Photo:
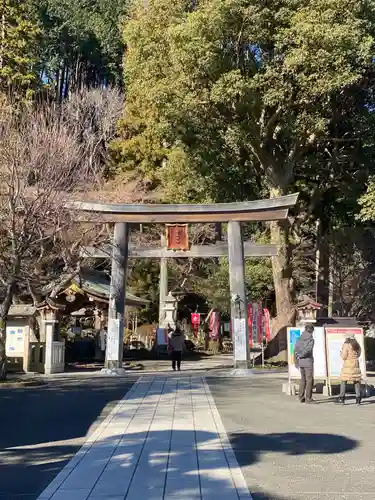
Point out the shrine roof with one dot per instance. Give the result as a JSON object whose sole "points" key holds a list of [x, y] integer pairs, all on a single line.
{"points": [[97, 283], [93, 283], [21, 310]]}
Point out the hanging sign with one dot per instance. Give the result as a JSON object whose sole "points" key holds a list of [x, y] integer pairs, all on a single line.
{"points": [[177, 237]]}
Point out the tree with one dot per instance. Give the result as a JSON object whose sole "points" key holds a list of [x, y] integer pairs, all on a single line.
{"points": [[244, 90], [19, 34], [81, 44], [48, 157]]}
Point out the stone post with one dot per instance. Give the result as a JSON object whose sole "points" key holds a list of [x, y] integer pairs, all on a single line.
{"points": [[50, 321]]}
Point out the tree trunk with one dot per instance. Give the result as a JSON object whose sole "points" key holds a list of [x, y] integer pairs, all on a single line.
{"points": [[4, 310], [2, 349], [323, 276], [282, 268]]}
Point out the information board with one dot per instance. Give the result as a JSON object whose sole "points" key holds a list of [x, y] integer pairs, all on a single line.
{"points": [[162, 336], [113, 339], [15, 342], [335, 340], [240, 339], [320, 364]]}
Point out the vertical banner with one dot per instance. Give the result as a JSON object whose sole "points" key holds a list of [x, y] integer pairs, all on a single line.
{"points": [[215, 325], [250, 322], [255, 323], [240, 341], [267, 324], [260, 323], [195, 322]]}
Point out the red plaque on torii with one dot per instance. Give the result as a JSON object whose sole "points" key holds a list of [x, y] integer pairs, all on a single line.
{"points": [[177, 237]]}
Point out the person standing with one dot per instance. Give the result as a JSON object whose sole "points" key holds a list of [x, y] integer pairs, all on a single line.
{"points": [[176, 344], [351, 370], [304, 361]]}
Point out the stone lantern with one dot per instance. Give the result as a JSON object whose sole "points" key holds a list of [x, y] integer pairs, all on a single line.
{"points": [[170, 310], [307, 310]]}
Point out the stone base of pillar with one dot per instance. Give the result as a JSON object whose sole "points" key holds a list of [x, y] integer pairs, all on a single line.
{"points": [[113, 372], [242, 365]]}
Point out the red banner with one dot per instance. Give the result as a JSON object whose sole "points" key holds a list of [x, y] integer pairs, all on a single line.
{"points": [[250, 322], [260, 324], [215, 325], [267, 324], [195, 322]]}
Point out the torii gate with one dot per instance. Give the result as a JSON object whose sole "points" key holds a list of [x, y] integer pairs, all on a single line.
{"points": [[232, 213]]}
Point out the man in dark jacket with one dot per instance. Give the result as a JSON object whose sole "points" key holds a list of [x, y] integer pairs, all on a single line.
{"points": [[304, 360]]}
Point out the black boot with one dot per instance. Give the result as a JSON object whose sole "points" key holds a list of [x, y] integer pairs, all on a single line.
{"points": [[358, 401], [340, 401]]}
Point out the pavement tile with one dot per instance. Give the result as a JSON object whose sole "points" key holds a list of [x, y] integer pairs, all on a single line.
{"points": [[165, 441]]}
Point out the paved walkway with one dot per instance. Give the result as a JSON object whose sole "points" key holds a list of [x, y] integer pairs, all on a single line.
{"points": [[164, 441]]}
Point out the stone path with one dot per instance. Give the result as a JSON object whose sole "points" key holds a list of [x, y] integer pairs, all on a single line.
{"points": [[164, 441]]}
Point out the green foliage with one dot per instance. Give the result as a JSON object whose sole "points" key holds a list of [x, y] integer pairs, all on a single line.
{"points": [[143, 281], [82, 44], [367, 202], [236, 89], [214, 282], [19, 35], [238, 99]]}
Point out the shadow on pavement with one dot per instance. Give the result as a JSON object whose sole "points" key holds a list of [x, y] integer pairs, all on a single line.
{"points": [[41, 428], [38, 423], [249, 447], [141, 461]]}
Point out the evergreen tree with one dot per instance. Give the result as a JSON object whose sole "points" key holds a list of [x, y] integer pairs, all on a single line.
{"points": [[19, 34]]}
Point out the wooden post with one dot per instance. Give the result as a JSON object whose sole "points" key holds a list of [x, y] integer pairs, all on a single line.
{"points": [[163, 282], [116, 309], [238, 295]]}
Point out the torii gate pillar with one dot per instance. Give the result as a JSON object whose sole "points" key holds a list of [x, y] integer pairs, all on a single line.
{"points": [[116, 308], [240, 333]]}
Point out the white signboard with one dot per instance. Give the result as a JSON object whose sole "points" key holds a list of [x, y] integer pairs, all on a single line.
{"points": [[240, 339], [319, 353], [15, 342], [113, 339], [320, 360], [335, 340]]}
